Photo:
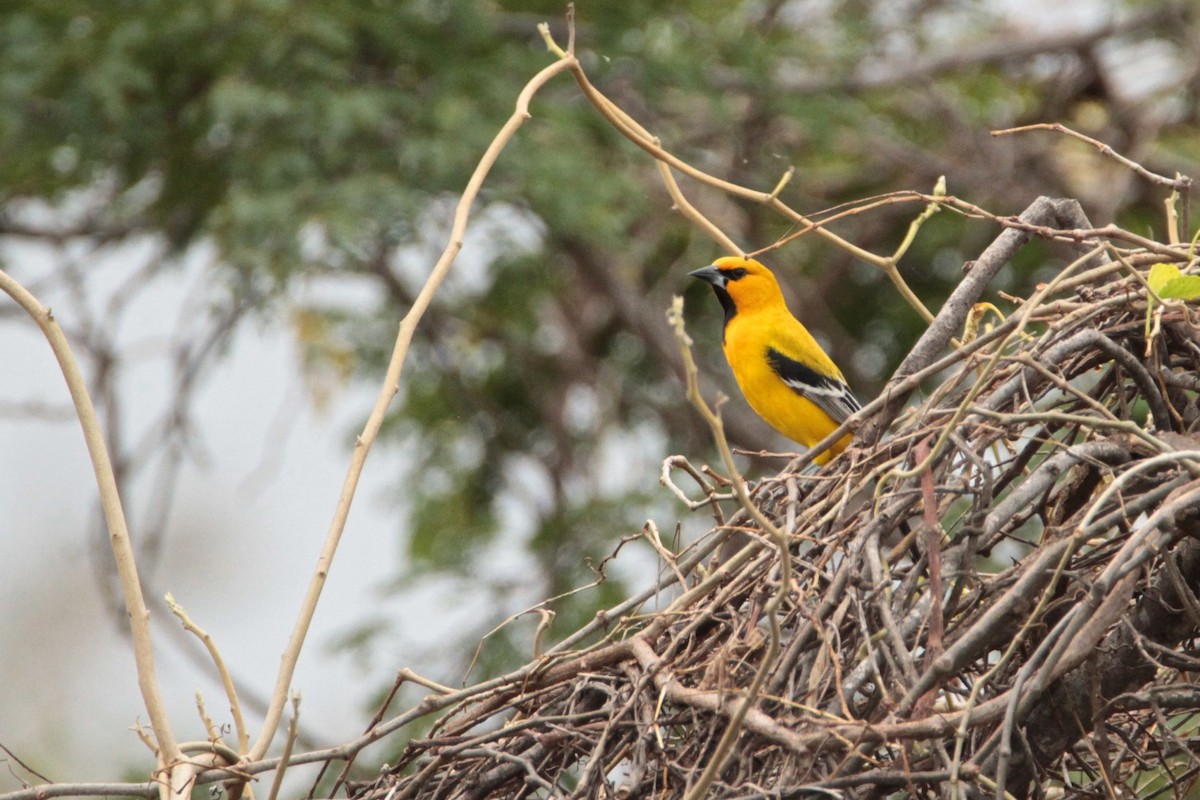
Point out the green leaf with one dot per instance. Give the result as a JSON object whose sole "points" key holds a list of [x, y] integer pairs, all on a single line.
{"points": [[1160, 275], [1184, 287]]}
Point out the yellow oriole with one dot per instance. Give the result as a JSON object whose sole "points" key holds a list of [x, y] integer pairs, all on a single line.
{"points": [[785, 375]]}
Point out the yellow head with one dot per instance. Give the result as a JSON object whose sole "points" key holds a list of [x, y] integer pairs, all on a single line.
{"points": [[741, 284]]}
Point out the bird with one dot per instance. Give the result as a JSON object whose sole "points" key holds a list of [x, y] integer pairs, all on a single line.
{"points": [[784, 374]]}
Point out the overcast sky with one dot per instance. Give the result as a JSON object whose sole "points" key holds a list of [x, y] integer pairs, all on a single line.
{"points": [[245, 533]]}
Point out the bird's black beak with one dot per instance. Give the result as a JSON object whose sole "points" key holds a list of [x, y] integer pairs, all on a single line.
{"points": [[719, 281], [710, 275]]}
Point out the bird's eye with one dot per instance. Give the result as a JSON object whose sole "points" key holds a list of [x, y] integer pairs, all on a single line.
{"points": [[734, 274]]}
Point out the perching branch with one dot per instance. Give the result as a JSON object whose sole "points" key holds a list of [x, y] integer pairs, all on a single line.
{"points": [[979, 274]]}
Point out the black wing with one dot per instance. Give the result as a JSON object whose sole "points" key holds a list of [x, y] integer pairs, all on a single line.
{"points": [[831, 395]]}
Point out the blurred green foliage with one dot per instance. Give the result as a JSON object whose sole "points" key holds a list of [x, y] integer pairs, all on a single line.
{"points": [[318, 143]]}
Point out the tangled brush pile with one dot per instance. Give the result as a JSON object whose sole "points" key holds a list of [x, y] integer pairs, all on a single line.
{"points": [[998, 597]]}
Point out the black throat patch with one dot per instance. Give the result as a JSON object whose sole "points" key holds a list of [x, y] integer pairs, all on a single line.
{"points": [[727, 304]]}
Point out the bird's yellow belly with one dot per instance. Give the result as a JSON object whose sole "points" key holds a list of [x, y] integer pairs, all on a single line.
{"points": [[786, 410], [793, 415]]}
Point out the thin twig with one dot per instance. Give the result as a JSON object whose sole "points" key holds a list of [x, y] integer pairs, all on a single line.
{"points": [[235, 707], [114, 516], [391, 385], [1179, 183]]}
